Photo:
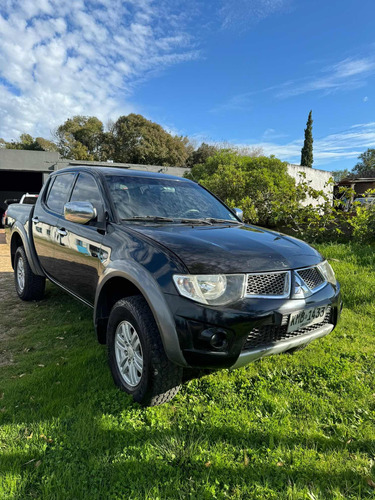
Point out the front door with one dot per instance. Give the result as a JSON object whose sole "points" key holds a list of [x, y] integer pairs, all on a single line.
{"points": [[78, 246]]}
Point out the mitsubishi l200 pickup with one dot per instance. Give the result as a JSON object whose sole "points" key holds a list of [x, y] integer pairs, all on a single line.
{"points": [[177, 281]]}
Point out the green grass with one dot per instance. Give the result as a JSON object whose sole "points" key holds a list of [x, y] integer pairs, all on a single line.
{"points": [[293, 427]]}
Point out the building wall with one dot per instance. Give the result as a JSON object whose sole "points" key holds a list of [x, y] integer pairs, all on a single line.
{"points": [[318, 180], [19, 159]]}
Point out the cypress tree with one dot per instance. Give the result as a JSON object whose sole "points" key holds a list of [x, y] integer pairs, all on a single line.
{"points": [[307, 150]]}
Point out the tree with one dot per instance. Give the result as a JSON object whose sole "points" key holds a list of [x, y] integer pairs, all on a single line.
{"points": [[80, 138], [26, 141], [138, 140], [366, 167], [255, 184], [307, 150], [201, 154], [339, 175]]}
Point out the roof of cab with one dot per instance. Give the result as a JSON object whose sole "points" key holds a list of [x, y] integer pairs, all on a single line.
{"points": [[120, 171]]}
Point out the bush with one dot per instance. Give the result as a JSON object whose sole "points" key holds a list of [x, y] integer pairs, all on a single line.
{"points": [[363, 223], [255, 184], [269, 197]]}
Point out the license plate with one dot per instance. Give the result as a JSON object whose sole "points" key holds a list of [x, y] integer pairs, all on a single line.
{"points": [[306, 317]]}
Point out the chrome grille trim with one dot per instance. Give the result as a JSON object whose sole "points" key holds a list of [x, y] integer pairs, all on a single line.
{"points": [[312, 277], [270, 285]]}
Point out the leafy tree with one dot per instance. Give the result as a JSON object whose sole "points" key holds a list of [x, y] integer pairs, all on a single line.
{"points": [[201, 154], [366, 167], [339, 175], [80, 138], [28, 142], [307, 150], [138, 140], [254, 184]]}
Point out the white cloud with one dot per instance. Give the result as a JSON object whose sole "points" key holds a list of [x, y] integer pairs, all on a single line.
{"points": [[242, 13], [347, 74], [58, 58], [332, 148], [365, 99]]}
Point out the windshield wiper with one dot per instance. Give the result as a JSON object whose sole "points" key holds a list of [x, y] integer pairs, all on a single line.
{"points": [[195, 221], [151, 218], [222, 221]]}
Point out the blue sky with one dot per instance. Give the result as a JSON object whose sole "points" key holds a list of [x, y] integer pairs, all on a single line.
{"points": [[245, 72]]}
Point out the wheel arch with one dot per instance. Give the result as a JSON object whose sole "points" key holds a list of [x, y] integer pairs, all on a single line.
{"points": [[15, 242], [128, 279], [19, 237]]}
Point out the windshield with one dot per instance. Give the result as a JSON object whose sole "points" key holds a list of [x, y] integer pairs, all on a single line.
{"points": [[174, 199]]}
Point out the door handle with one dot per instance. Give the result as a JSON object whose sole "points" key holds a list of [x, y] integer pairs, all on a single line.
{"points": [[62, 232], [35, 220]]}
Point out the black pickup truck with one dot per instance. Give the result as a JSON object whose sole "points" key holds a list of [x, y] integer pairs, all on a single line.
{"points": [[176, 280]]}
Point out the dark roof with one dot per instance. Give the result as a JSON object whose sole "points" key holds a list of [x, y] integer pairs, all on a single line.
{"points": [[358, 180], [120, 171]]}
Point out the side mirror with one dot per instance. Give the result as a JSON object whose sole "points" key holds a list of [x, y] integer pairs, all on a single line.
{"points": [[239, 213], [80, 212]]}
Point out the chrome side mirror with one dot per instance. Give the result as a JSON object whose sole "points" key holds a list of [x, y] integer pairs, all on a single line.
{"points": [[239, 213], [80, 212]]}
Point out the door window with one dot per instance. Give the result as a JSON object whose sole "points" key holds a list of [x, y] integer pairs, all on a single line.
{"points": [[59, 192], [86, 189]]}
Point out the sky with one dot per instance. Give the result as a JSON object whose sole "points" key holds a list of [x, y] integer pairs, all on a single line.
{"points": [[244, 72]]}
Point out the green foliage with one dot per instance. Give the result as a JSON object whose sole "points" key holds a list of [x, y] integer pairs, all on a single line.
{"points": [[283, 428], [366, 167], [317, 218], [339, 175], [201, 154], [137, 140], [363, 222], [307, 150], [28, 142], [80, 138], [255, 184]]}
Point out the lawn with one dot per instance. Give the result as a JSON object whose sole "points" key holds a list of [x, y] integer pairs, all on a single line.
{"points": [[296, 426]]}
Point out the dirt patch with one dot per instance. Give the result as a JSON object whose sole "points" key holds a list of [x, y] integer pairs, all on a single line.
{"points": [[5, 264], [11, 307]]}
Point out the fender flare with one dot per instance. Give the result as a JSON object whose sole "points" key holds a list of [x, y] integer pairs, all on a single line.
{"points": [[144, 281], [32, 258]]}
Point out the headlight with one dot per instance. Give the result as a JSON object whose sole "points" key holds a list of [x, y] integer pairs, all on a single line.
{"points": [[328, 273], [213, 289]]}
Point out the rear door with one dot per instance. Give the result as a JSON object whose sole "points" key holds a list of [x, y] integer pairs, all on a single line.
{"points": [[48, 207], [78, 245]]}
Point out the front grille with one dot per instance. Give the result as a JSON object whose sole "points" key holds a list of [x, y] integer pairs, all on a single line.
{"points": [[268, 335], [312, 277], [268, 284]]}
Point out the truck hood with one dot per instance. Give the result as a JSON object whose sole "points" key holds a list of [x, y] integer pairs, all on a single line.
{"points": [[234, 249]]}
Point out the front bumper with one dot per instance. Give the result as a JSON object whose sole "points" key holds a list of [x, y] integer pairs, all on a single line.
{"points": [[238, 320]]}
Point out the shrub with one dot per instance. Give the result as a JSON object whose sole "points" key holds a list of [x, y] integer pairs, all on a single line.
{"points": [[268, 196], [255, 184]]}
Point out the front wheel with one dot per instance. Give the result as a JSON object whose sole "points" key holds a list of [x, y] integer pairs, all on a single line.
{"points": [[136, 354], [29, 286]]}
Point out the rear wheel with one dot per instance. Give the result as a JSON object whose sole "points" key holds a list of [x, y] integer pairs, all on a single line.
{"points": [[29, 286], [136, 354]]}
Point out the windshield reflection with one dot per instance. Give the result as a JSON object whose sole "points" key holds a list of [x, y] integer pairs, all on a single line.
{"points": [[137, 197]]}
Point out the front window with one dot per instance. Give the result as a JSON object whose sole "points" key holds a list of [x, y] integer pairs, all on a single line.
{"points": [[176, 199]]}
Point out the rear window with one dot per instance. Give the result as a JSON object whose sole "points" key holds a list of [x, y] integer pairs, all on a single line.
{"points": [[59, 192]]}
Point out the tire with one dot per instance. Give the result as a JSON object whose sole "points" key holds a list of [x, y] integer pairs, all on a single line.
{"points": [[29, 286], [136, 354]]}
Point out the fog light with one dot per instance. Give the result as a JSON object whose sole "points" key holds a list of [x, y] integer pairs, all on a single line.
{"points": [[219, 340]]}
